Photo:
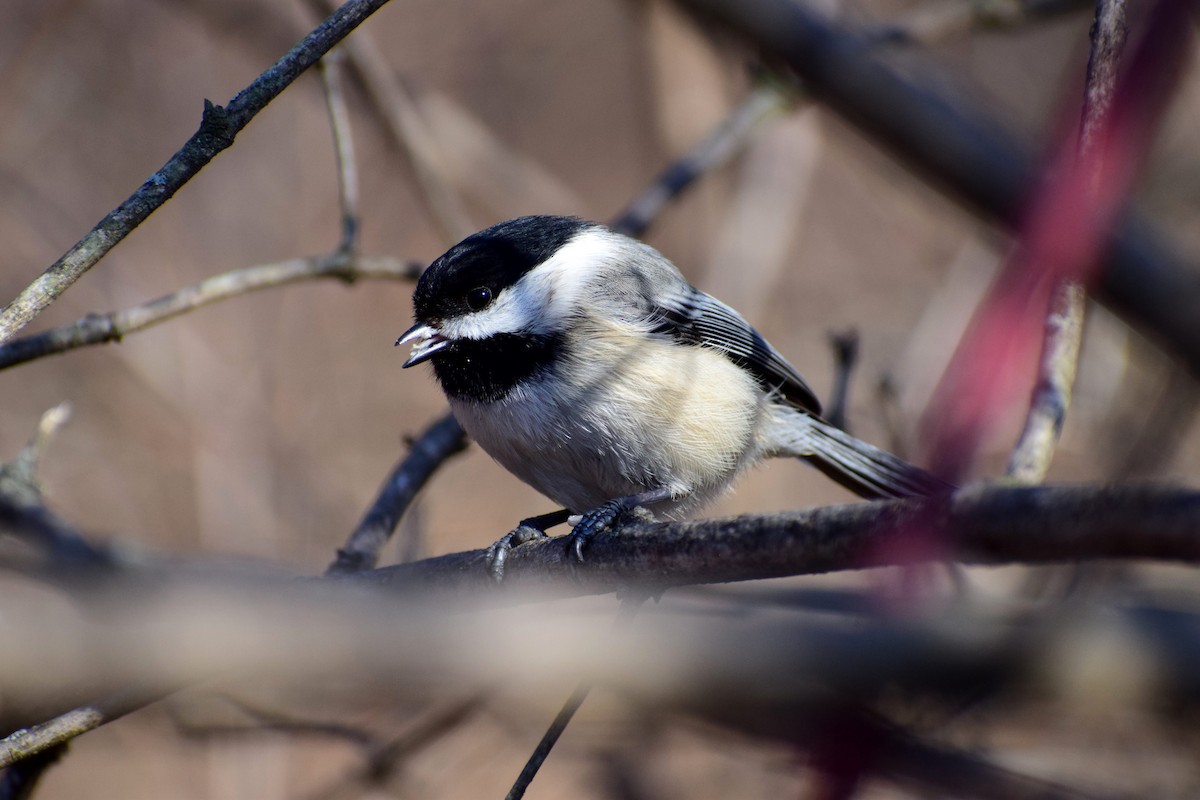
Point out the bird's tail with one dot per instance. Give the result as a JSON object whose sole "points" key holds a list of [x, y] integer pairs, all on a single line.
{"points": [[865, 469]]}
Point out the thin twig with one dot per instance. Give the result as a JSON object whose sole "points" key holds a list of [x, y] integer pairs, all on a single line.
{"points": [[627, 611], [218, 128], [29, 742], [409, 130], [22, 514], [845, 356], [111, 327], [1030, 460], [942, 19], [440, 440], [712, 152], [385, 758], [343, 147]]}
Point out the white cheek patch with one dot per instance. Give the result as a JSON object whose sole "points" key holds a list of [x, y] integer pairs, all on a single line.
{"points": [[546, 294], [507, 314]]}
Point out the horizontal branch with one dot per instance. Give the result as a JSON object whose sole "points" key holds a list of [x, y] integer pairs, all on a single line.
{"points": [[111, 327], [987, 525]]}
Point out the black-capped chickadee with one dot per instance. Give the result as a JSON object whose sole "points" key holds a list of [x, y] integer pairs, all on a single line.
{"points": [[585, 363]]}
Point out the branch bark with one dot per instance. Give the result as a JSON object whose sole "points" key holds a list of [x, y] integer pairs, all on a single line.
{"points": [[982, 524], [113, 326]]}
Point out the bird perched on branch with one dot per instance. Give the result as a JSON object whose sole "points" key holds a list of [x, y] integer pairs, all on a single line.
{"points": [[584, 362]]}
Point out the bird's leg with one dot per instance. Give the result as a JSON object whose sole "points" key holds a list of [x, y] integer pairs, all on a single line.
{"points": [[602, 518], [526, 531]]}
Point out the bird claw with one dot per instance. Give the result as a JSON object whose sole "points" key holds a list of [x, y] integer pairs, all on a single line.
{"points": [[497, 554], [591, 523]]}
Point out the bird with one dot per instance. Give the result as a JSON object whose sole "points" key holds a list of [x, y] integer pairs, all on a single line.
{"points": [[584, 363]]}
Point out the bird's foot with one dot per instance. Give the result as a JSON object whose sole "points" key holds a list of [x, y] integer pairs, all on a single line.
{"points": [[593, 522], [527, 530], [601, 519]]}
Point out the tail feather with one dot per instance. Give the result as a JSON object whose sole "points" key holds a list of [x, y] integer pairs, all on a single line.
{"points": [[865, 469]]}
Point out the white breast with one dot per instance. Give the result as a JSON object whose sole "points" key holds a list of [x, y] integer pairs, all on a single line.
{"points": [[660, 415]]}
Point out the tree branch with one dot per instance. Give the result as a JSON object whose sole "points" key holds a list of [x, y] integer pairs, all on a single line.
{"points": [[980, 524], [1030, 459], [440, 440], [218, 127], [113, 326], [343, 147], [963, 148]]}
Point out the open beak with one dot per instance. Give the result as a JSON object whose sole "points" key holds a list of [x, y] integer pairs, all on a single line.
{"points": [[427, 342]]}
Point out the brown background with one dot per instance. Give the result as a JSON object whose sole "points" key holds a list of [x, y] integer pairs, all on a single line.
{"points": [[261, 427]]}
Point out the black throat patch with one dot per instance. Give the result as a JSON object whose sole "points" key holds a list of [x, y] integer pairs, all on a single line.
{"points": [[486, 370]]}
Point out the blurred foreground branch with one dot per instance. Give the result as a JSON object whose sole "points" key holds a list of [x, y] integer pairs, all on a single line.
{"points": [[967, 150], [786, 673]]}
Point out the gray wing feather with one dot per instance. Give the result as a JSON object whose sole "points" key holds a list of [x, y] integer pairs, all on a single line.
{"points": [[693, 317]]}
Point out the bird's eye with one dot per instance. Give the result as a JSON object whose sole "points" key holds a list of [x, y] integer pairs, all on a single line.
{"points": [[479, 298]]}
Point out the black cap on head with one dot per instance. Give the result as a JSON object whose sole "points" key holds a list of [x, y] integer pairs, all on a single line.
{"points": [[495, 258]]}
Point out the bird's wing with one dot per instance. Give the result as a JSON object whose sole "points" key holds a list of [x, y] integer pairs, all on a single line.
{"points": [[693, 317]]}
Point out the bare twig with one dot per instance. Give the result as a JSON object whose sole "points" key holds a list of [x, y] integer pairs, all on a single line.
{"points": [[548, 740], [218, 128], [1030, 460], [625, 614], [18, 479], [343, 146], [440, 440], [845, 355], [29, 742], [22, 514], [265, 721], [111, 327], [709, 154], [385, 758], [940, 20], [409, 130]]}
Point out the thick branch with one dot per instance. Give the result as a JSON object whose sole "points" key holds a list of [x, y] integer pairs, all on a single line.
{"points": [[979, 525], [218, 128]]}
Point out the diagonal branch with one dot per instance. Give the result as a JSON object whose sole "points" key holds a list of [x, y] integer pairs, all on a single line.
{"points": [[440, 440], [218, 127], [963, 148]]}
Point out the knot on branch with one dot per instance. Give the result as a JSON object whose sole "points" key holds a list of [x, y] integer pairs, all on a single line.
{"points": [[217, 129]]}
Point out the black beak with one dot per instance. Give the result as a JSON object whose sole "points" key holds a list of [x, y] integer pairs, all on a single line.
{"points": [[427, 342]]}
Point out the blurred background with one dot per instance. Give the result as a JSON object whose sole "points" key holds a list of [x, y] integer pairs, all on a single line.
{"points": [[261, 427]]}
